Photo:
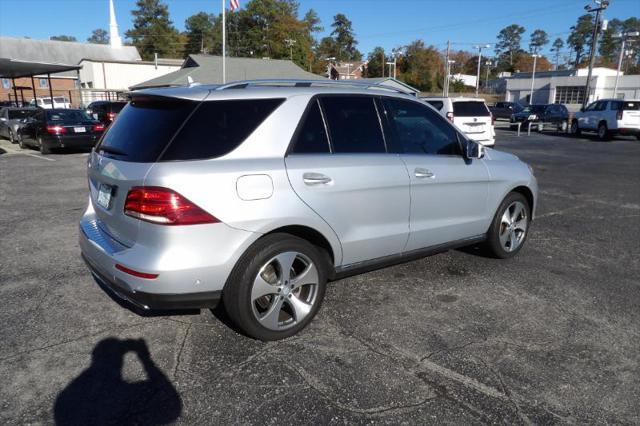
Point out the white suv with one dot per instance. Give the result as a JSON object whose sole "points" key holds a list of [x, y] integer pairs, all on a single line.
{"points": [[260, 195], [609, 117], [471, 115], [45, 103]]}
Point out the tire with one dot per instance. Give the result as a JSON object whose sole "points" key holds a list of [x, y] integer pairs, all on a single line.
{"points": [[510, 227], [638, 137], [575, 128], [44, 150], [12, 139], [21, 143], [257, 289], [564, 126], [603, 132]]}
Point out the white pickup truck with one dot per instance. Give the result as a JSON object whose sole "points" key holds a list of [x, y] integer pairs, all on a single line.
{"points": [[609, 117]]}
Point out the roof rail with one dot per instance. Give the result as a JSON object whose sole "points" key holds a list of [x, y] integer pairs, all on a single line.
{"points": [[307, 83]]}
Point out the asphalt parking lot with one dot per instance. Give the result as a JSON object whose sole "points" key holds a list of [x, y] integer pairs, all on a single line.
{"points": [[551, 336]]}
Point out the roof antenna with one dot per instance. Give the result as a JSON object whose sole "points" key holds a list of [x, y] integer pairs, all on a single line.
{"points": [[190, 82]]}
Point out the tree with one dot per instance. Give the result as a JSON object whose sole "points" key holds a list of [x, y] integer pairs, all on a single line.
{"points": [[312, 22], [524, 63], [610, 45], [99, 36], [419, 66], [509, 39], [200, 33], [344, 38], [377, 60], [539, 38], [580, 36], [556, 47], [153, 31], [63, 38]]}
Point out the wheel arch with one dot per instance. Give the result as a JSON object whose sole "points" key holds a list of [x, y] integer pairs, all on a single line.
{"points": [[309, 234], [527, 193]]}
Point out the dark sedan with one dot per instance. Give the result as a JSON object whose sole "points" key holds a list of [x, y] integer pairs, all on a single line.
{"points": [[105, 111], [48, 129], [552, 114], [504, 109]]}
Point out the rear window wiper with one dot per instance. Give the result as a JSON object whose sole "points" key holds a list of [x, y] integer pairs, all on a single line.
{"points": [[111, 150]]}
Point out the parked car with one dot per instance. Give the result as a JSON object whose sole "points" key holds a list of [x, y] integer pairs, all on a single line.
{"points": [[609, 117], [45, 103], [552, 114], [505, 109], [11, 119], [471, 115], [260, 195], [60, 128], [105, 111]]}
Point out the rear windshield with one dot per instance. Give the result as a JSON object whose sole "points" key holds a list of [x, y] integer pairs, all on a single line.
{"points": [[146, 127], [470, 109], [117, 107], [630, 106], [20, 113], [67, 116]]}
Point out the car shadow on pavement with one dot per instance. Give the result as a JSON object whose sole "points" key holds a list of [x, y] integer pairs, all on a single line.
{"points": [[99, 395]]}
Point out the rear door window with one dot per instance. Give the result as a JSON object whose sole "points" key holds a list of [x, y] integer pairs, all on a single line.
{"points": [[311, 137], [419, 130], [218, 127], [470, 109], [353, 124], [436, 104]]}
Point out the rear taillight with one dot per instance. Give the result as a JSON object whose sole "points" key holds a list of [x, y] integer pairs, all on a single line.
{"points": [[493, 120], [98, 127], [450, 116], [619, 114], [111, 115], [164, 206], [56, 129]]}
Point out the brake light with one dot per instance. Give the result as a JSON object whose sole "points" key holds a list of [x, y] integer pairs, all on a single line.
{"points": [[450, 116], [619, 114], [164, 206], [56, 129], [98, 127], [493, 120], [136, 273], [111, 115]]}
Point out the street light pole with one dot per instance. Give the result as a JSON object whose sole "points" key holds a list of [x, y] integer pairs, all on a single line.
{"points": [[602, 5], [479, 47], [624, 41], [486, 78], [535, 56]]}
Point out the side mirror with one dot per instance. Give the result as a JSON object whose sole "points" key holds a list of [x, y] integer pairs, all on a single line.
{"points": [[474, 150]]}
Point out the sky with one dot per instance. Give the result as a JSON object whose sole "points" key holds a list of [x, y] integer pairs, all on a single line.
{"points": [[389, 23]]}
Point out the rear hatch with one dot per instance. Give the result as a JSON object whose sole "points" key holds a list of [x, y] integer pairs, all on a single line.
{"points": [[126, 153], [474, 119], [631, 114]]}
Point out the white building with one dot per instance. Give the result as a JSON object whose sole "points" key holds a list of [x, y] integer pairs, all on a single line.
{"points": [[568, 87], [467, 79]]}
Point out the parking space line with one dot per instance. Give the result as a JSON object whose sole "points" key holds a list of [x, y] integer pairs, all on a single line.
{"points": [[16, 152]]}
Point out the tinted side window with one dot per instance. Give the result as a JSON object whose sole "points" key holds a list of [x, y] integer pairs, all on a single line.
{"points": [[311, 136], [436, 104], [420, 130], [600, 106], [353, 124], [218, 127]]}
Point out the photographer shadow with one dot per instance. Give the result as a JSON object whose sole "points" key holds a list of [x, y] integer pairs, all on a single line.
{"points": [[99, 395]]}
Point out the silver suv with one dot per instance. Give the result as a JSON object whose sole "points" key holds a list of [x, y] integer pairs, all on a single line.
{"points": [[258, 193]]}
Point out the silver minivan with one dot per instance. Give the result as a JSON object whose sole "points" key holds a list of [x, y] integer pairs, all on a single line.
{"points": [[258, 193]]}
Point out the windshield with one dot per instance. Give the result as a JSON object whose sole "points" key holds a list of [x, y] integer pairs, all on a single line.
{"points": [[67, 116], [20, 113]]}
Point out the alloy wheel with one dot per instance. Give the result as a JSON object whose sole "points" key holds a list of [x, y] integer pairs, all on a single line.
{"points": [[513, 226], [11, 138], [284, 290]]}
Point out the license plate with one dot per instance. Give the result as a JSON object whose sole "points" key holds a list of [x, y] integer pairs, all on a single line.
{"points": [[79, 129], [104, 195]]}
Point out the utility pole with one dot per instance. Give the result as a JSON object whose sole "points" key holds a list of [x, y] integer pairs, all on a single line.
{"points": [[535, 56], [445, 86], [602, 5], [394, 63], [383, 61], [486, 78], [624, 42], [290, 42], [479, 47]]}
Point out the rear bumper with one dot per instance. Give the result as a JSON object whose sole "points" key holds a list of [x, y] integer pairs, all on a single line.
{"points": [[151, 301], [627, 131], [72, 141]]}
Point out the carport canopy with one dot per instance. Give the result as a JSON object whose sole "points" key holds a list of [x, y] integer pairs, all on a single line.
{"points": [[11, 68]]}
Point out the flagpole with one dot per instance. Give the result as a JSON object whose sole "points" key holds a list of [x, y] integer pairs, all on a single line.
{"points": [[224, 44]]}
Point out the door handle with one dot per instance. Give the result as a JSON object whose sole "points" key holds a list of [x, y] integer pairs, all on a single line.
{"points": [[316, 179], [423, 173]]}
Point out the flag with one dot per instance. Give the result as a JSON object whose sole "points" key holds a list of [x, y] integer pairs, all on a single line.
{"points": [[234, 4]]}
